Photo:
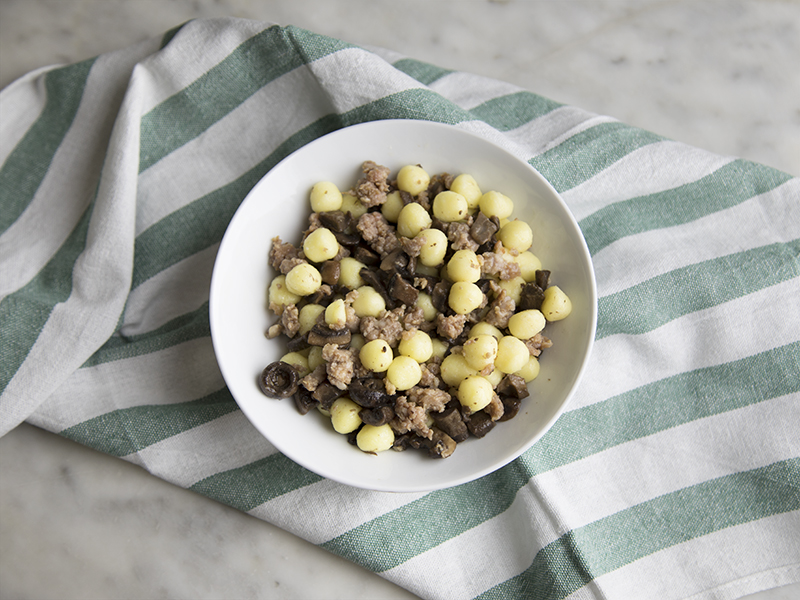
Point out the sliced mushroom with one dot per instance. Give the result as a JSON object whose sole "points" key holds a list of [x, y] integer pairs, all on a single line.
{"points": [[374, 280], [402, 290], [482, 229], [369, 392], [441, 445], [510, 407], [337, 221], [402, 442], [396, 260], [346, 239], [322, 296], [543, 278], [380, 415], [299, 342], [530, 296], [366, 255], [450, 421], [326, 393], [303, 400], [480, 423], [321, 335], [330, 272], [279, 380], [514, 386], [440, 297]]}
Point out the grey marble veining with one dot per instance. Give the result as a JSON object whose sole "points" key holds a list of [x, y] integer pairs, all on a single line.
{"points": [[720, 75]]}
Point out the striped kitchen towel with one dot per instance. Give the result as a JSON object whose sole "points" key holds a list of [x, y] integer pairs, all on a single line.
{"points": [[674, 472]]}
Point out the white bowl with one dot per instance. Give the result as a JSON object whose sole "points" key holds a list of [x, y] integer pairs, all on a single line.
{"points": [[278, 205]]}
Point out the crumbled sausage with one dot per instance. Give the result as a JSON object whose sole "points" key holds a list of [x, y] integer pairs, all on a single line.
{"points": [[409, 416], [412, 246], [287, 264], [450, 327], [314, 223], [428, 379], [414, 317], [431, 399], [388, 326], [501, 309], [281, 251], [538, 343], [378, 233], [340, 364], [500, 263], [352, 320], [313, 379], [434, 365], [372, 187], [495, 408], [460, 238], [290, 320], [274, 331]]}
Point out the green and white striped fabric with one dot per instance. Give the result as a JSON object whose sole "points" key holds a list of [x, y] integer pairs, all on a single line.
{"points": [[675, 471]]}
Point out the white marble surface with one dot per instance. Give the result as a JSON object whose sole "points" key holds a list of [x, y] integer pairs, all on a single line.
{"points": [[718, 74]]}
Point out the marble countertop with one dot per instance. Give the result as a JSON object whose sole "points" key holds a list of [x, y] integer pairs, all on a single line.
{"points": [[720, 75]]}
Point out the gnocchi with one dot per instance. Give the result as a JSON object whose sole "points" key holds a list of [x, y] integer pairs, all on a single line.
{"points": [[397, 309]]}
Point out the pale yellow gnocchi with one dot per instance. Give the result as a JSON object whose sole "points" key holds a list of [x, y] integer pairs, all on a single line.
{"points": [[469, 327]]}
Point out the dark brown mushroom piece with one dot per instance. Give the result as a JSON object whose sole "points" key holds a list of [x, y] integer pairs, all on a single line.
{"points": [[402, 290], [278, 380], [380, 415], [326, 393], [352, 437], [542, 278], [510, 407], [482, 229], [437, 223], [429, 280], [484, 285], [480, 423], [530, 296], [348, 240], [513, 385], [396, 260], [297, 343], [439, 183], [330, 271], [374, 280], [303, 400], [366, 255], [369, 392], [406, 197], [337, 221], [402, 442], [321, 335], [322, 296], [461, 338], [441, 445], [440, 297], [451, 422]]}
